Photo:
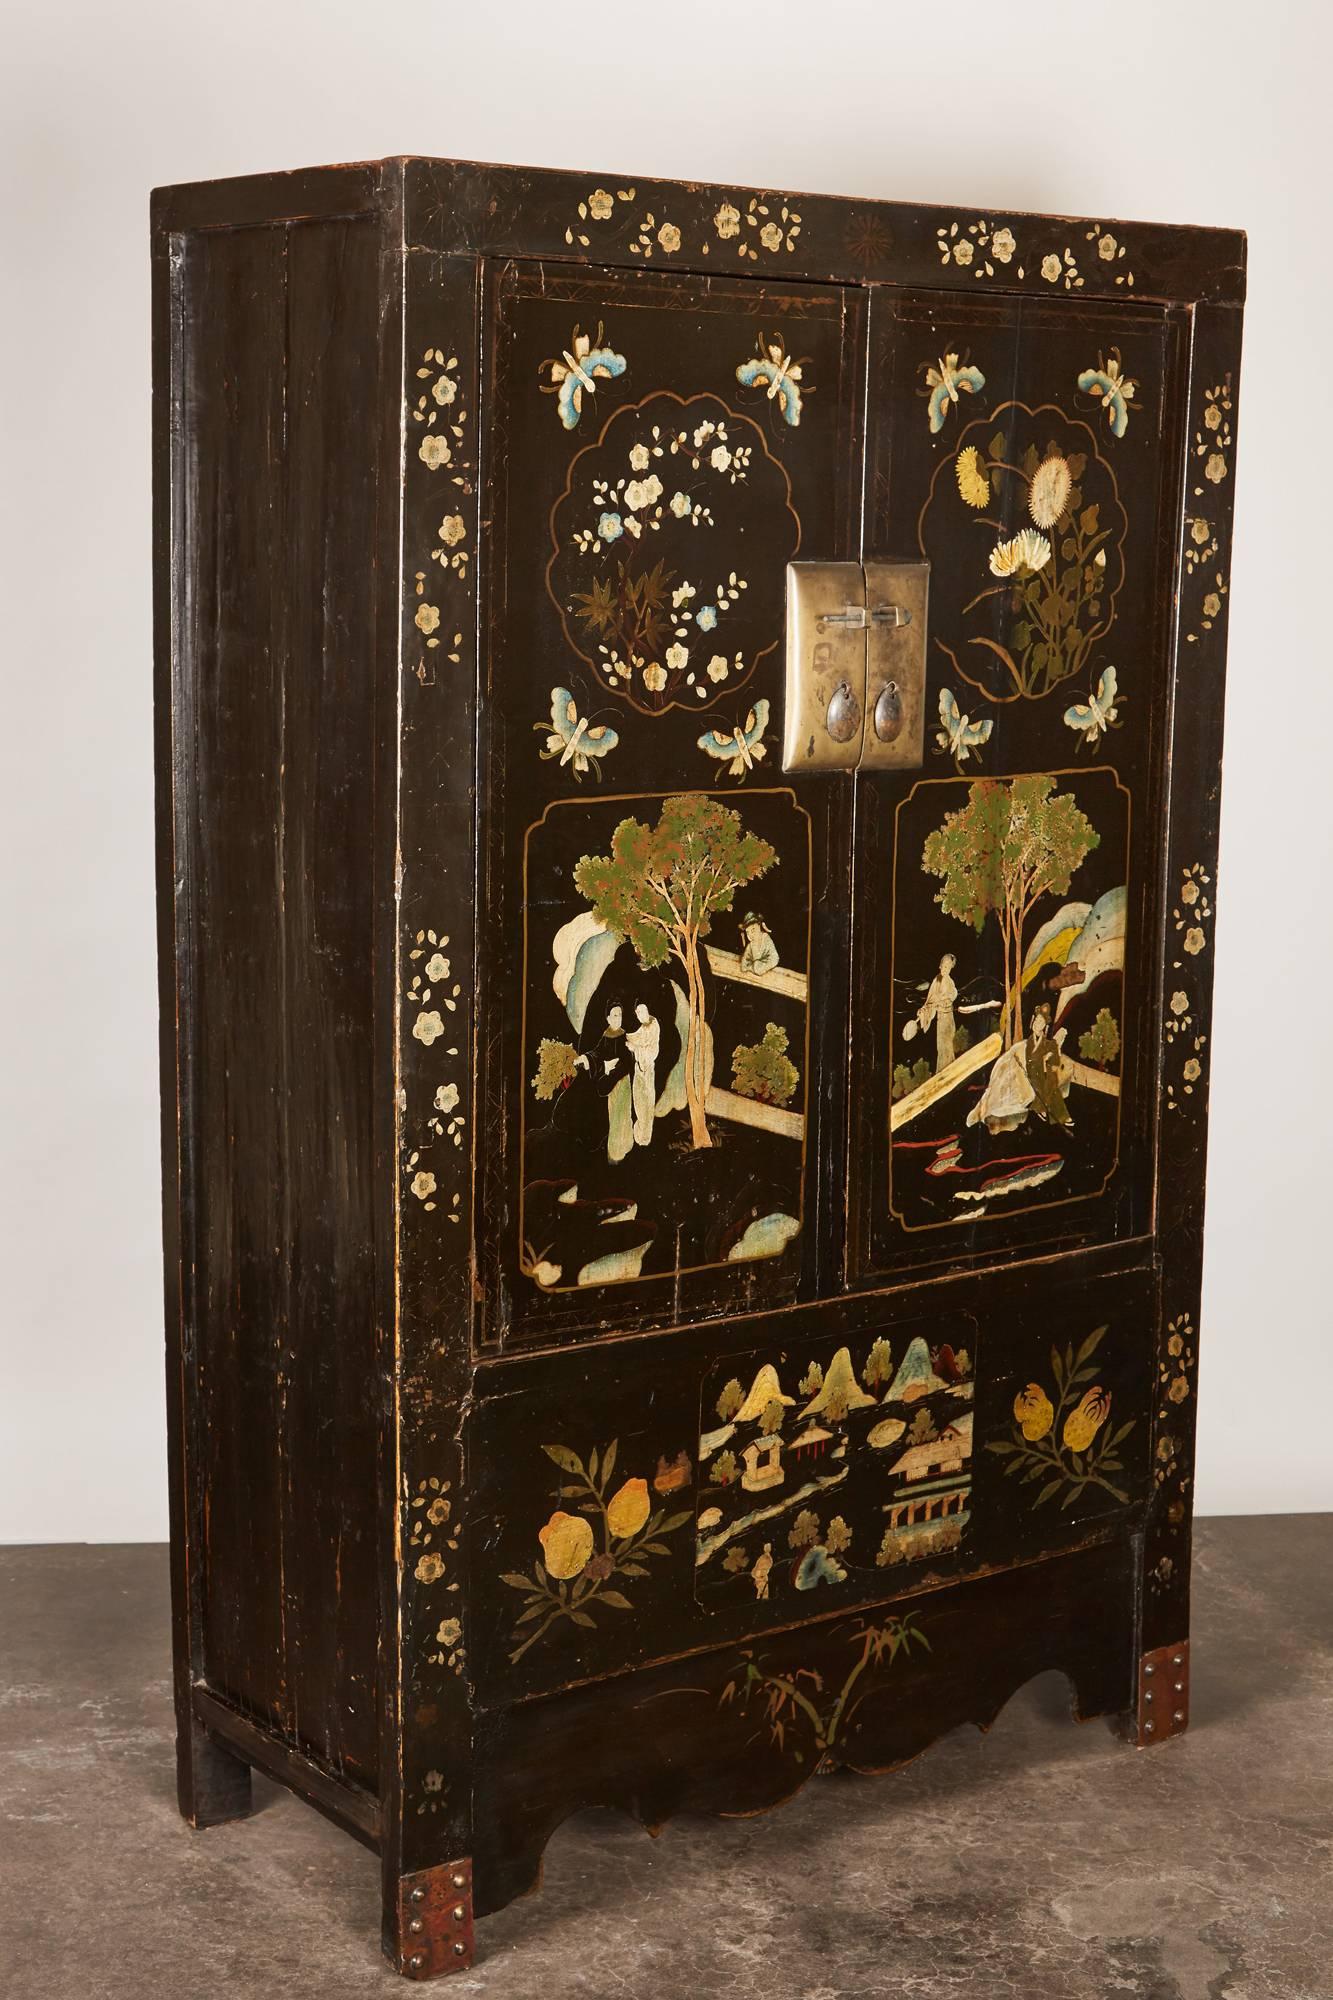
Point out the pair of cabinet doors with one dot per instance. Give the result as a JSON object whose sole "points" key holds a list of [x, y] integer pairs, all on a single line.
{"points": [[752, 1037]]}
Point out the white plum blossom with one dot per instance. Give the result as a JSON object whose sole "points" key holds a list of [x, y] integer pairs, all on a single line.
{"points": [[642, 492]]}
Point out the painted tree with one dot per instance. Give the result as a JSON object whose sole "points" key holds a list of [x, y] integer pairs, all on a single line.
{"points": [[730, 1400], [1015, 841], [879, 1365], [661, 887]]}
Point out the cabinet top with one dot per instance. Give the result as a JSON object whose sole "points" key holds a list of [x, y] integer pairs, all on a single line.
{"points": [[471, 208]]}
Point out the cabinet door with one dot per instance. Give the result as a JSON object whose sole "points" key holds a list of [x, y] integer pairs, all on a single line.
{"points": [[1008, 896], [663, 932]]}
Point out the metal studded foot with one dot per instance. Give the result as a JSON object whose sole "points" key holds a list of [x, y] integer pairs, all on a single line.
{"points": [[435, 1921], [1164, 1694]]}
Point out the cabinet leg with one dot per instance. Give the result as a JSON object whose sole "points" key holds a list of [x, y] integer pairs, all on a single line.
{"points": [[212, 1785], [1163, 1707], [428, 1921]]}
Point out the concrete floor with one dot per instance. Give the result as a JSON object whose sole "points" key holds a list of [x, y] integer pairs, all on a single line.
{"points": [[1044, 1862]]}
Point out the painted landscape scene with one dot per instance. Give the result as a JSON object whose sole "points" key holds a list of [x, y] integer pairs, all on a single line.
{"points": [[1009, 943], [665, 1039], [822, 1476]]}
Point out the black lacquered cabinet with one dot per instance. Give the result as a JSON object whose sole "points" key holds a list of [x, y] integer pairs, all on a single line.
{"points": [[689, 746]]}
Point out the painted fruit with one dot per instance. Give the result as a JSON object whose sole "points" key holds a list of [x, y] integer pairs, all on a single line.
{"points": [[1032, 1408], [1083, 1424], [566, 1544], [629, 1509]]}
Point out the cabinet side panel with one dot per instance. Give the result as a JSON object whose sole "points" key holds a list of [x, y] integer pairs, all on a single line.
{"points": [[274, 728]]}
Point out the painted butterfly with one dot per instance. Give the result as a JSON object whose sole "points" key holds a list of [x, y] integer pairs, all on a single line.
{"points": [[944, 383], [743, 746], [1112, 389], [1097, 714], [780, 372], [570, 738], [958, 733], [577, 371]]}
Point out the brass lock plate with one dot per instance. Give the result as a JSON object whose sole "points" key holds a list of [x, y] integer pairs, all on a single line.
{"points": [[826, 667], [895, 727], [855, 681]]}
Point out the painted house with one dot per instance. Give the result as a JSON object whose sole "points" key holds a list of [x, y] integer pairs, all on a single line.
{"points": [[763, 1464], [945, 1454], [812, 1442]]}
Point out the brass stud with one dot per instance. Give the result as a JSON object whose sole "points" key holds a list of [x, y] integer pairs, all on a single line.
{"points": [[459, 1948], [1149, 1668], [416, 1926], [1147, 1727], [418, 1895], [1180, 1687], [1148, 1695], [459, 1913], [460, 1881], [1179, 1715], [416, 1961], [1177, 1660]]}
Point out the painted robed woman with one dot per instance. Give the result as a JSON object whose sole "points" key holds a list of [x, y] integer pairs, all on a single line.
{"points": [[1044, 1062], [609, 1064], [643, 1042], [938, 1008]]}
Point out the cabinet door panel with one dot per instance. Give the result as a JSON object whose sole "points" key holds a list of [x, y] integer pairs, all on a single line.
{"points": [[663, 948], [1008, 895]]}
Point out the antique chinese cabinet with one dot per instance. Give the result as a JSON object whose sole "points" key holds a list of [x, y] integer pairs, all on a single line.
{"points": [[689, 742]]}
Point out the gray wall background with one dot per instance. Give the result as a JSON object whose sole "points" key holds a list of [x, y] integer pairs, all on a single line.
{"points": [[1150, 111]]}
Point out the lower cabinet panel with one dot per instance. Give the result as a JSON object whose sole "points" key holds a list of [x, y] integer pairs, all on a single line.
{"points": [[674, 1493], [740, 1729]]}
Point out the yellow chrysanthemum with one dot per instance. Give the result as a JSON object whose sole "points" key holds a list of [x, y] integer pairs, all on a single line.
{"points": [[1032, 1408], [1083, 1424], [972, 481], [629, 1509], [566, 1544], [1048, 495]]}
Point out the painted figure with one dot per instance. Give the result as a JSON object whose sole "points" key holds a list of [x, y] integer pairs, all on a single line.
{"points": [[759, 954], [609, 1067], [1030, 1076], [938, 1007], [1005, 1102], [1045, 1068], [644, 1042], [761, 1571]]}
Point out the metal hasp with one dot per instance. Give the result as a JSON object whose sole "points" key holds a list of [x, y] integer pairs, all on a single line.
{"points": [[856, 666]]}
